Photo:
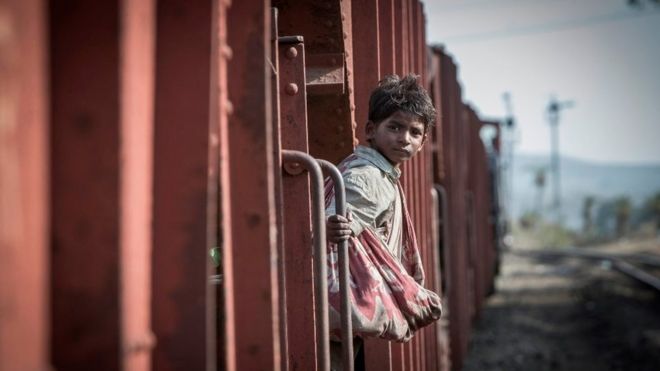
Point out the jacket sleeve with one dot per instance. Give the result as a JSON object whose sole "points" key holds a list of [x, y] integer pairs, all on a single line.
{"points": [[364, 198]]}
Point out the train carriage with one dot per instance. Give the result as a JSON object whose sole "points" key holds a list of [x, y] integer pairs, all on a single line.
{"points": [[138, 136]]}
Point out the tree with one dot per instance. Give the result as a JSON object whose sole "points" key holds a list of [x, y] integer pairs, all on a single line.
{"points": [[652, 209], [539, 182], [639, 4], [587, 214], [622, 207]]}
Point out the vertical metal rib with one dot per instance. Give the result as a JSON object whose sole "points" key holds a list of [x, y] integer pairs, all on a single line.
{"points": [[444, 223]]}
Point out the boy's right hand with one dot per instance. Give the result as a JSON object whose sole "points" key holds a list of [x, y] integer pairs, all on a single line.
{"points": [[337, 228]]}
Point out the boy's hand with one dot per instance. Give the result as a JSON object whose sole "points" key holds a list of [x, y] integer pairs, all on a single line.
{"points": [[337, 228]]}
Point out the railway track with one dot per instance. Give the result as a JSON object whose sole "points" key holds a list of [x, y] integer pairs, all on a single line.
{"points": [[642, 267]]}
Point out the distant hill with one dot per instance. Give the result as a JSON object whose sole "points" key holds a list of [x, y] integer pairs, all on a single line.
{"points": [[580, 179]]}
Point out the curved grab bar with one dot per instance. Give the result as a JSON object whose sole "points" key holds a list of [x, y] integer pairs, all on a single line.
{"points": [[320, 255], [345, 310], [444, 212]]}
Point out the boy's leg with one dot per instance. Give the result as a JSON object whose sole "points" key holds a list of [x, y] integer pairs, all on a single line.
{"points": [[335, 354]]}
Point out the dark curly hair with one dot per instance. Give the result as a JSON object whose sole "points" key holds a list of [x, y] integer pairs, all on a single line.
{"points": [[401, 94]]}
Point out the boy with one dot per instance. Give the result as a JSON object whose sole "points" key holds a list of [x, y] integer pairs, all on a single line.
{"points": [[387, 297]]}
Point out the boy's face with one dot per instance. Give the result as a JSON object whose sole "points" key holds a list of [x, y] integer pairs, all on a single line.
{"points": [[398, 137]]}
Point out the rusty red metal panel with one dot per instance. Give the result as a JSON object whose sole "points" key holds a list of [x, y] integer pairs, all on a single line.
{"points": [[442, 244], [406, 356], [462, 229], [477, 169], [398, 356], [366, 59], [401, 66], [137, 93], [471, 228], [413, 37], [85, 178], [429, 352], [434, 350], [437, 135], [254, 250], [483, 214], [386, 37], [24, 325], [297, 210], [421, 44], [180, 295], [490, 209], [450, 106], [378, 354], [327, 29], [444, 156]]}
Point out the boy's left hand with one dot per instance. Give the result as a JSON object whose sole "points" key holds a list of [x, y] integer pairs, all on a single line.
{"points": [[337, 228]]}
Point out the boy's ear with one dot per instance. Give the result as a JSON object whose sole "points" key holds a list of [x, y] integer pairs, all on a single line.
{"points": [[424, 138], [370, 130]]}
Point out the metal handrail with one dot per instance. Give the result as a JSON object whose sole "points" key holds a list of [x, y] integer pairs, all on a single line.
{"points": [[345, 310], [436, 230], [320, 255], [444, 212]]}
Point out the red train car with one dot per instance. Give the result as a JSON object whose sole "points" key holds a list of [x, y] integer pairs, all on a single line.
{"points": [[136, 136]]}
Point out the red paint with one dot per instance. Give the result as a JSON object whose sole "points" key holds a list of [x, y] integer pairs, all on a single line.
{"points": [[252, 201], [85, 179], [24, 209], [182, 147]]}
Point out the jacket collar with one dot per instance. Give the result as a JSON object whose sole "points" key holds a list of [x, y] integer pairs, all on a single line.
{"points": [[378, 160]]}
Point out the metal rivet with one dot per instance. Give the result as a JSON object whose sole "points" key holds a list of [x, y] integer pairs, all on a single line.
{"points": [[227, 52], [333, 61], [329, 23], [343, 16], [291, 53], [345, 36], [347, 55], [291, 89], [143, 343], [342, 144], [293, 168], [339, 111], [229, 106]]}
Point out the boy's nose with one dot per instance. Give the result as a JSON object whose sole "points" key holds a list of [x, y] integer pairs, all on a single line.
{"points": [[404, 137]]}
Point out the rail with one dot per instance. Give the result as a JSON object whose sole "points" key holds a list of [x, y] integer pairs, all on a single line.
{"points": [[320, 255], [617, 261], [346, 324], [444, 223]]}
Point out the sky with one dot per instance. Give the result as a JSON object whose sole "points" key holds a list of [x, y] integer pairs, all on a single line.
{"points": [[602, 55]]}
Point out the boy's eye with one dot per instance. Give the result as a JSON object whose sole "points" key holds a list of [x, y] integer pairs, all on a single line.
{"points": [[394, 127]]}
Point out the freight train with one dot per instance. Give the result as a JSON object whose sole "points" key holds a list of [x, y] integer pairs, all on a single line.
{"points": [[137, 136]]}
